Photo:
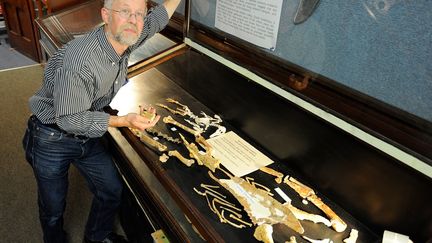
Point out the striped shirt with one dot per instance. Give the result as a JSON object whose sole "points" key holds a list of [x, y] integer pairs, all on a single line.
{"points": [[83, 76]]}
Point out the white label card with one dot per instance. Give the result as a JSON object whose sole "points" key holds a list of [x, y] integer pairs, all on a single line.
{"points": [[237, 155]]}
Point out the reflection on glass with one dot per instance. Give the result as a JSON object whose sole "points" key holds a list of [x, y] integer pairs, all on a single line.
{"points": [[152, 46], [381, 48]]}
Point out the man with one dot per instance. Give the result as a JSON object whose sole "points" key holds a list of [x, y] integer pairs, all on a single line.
{"points": [[68, 120]]}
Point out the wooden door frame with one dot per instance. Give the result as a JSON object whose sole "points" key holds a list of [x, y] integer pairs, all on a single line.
{"points": [[34, 35]]}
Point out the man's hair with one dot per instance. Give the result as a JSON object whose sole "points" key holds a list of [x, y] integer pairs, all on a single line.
{"points": [[108, 3]]}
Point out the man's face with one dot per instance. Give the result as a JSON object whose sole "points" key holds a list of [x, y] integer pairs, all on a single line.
{"points": [[125, 20]]}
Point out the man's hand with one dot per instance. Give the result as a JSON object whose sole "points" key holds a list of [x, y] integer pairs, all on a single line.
{"points": [[133, 120]]}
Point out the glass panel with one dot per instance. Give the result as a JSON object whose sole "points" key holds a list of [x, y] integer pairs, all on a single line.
{"points": [[152, 46], [381, 48], [180, 9]]}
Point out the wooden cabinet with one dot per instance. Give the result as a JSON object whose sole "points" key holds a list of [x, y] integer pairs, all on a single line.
{"points": [[52, 6], [19, 17]]}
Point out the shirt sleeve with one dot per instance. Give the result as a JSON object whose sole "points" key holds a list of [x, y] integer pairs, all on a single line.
{"points": [[73, 96], [155, 21]]}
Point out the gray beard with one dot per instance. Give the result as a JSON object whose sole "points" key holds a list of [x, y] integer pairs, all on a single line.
{"points": [[125, 40]]}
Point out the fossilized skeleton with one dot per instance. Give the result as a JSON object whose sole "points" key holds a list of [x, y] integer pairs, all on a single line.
{"points": [[199, 123], [256, 199], [260, 207]]}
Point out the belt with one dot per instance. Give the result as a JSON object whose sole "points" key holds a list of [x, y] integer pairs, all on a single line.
{"points": [[56, 127]]}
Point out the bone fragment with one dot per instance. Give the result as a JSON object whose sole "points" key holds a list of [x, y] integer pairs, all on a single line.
{"points": [[205, 159], [303, 215], [264, 233], [233, 212], [233, 216], [279, 176], [204, 144], [170, 120], [175, 153], [219, 131], [147, 114], [305, 192], [251, 181], [163, 158], [317, 241], [177, 111], [225, 220], [155, 132], [210, 188], [352, 237], [260, 207], [152, 143], [291, 240], [224, 202]]}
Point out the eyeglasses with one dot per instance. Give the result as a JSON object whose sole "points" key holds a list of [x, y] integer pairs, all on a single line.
{"points": [[126, 13]]}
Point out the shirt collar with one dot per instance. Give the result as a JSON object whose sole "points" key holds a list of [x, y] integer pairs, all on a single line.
{"points": [[106, 45]]}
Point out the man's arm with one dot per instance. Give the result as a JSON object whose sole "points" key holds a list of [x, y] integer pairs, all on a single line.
{"points": [[171, 6]]}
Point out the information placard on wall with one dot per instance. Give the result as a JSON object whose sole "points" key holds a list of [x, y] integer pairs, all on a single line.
{"points": [[255, 21]]}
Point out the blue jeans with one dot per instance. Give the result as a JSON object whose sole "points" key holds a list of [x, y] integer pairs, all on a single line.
{"points": [[50, 153]]}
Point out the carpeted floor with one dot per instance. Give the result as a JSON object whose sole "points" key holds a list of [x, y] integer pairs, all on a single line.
{"points": [[10, 58], [18, 206]]}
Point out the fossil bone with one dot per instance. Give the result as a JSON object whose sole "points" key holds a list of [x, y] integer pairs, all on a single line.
{"points": [[163, 158], [257, 185], [224, 220], [176, 111], [219, 131], [200, 124], [205, 159], [203, 143], [317, 241], [264, 233], [152, 143], [175, 153], [149, 141], [305, 192], [279, 176], [352, 237], [238, 215], [260, 207], [210, 189], [144, 111], [170, 120], [223, 205], [303, 215], [155, 132], [234, 216], [291, 240]]}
